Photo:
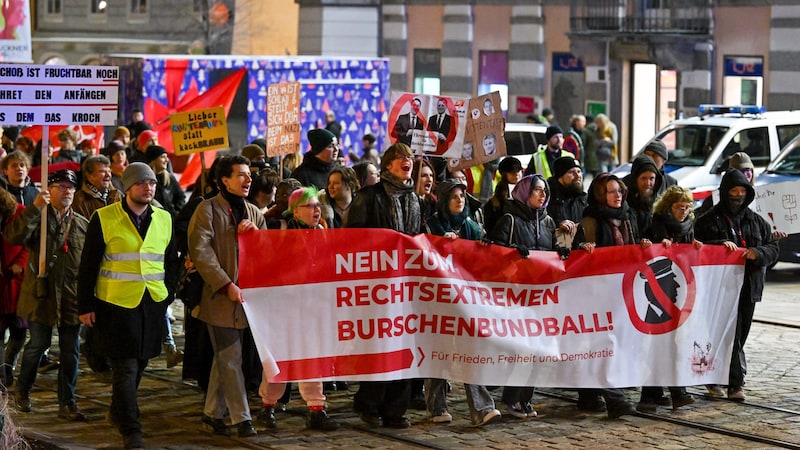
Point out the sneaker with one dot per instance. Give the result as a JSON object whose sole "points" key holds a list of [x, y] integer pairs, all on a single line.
{"points": [[682, 400], [517, 411], [266, 416], [529, 412], [736, 394], [245, 429], [71, 412], [174, 356], [216, 426], [715, 391], [442, 417], [492, 416], [23, 400], [319, 420]]}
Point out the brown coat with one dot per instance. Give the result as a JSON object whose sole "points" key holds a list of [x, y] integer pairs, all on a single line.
{"points": [[85, 203], [214, 250]]}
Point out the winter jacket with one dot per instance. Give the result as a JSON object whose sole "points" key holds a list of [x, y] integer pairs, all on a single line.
{"points": [[522, 226], [565, 205], [10, 283], [313, 172]]}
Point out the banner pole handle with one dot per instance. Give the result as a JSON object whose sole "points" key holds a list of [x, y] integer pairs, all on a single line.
{"points": [[43, 226], [202, 173]]}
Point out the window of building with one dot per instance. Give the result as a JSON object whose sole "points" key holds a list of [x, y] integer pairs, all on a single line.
{"points": [[138, 6], [54, 7], [493, 74], [743, 80], [427, 71]]}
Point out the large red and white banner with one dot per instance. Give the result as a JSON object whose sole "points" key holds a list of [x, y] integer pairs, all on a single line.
{"points": [[378, 305]]}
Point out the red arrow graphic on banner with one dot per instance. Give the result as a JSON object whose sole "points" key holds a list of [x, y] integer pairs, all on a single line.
{"points": [[343, 365], [421, 356]]}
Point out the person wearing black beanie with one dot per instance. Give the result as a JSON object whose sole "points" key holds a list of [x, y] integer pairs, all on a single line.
{"points": [[319, 160], [541, 161]]}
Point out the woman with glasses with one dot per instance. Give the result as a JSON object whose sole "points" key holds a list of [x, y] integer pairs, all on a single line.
{"points": [[607, 221], [673, 223], [305, 212], [525, 226]]}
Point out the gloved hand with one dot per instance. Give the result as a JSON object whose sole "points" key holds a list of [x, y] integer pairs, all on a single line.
{"points": [[563, 252], [523, 251]]}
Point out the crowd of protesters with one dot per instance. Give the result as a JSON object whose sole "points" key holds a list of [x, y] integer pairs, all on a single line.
{"points": [[123, 243]]}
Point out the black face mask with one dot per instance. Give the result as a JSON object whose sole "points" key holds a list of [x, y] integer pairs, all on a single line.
{"points": [[258, 164], [735, 203]]}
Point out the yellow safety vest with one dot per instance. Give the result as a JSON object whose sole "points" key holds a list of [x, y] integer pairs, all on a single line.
{"points": [[540, 162], [131, 264]]}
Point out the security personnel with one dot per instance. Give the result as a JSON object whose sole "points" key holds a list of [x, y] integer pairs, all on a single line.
{"points": [[126, 280]]}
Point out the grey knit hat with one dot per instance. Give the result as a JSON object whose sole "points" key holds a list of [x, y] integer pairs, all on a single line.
{"points": [[136, 173]]}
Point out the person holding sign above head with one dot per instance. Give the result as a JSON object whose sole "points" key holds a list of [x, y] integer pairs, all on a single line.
{"points": [[392, 204]]}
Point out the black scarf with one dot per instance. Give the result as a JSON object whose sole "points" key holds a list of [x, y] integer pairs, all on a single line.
{"points": [[614, 225], [237, 205], [405, 214], [678, 232]]}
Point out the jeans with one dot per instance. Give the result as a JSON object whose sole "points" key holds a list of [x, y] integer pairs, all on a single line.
{"points": [[126, 375], [68, 344]]}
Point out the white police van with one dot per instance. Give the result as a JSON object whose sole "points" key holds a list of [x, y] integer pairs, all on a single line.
{"points": [[699, 147]]}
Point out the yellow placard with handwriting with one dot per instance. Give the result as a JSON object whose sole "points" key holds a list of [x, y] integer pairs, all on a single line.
{"points": [[199, 130]]}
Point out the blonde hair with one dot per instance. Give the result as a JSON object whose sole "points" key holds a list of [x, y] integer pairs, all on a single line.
{"points": [[673, 194], [292, 161]]}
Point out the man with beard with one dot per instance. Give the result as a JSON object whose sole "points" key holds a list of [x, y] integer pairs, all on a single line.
{"points": [[644, 185], [542, 161], [734, 225], [567, 199], [658, 151], [393, 204]]}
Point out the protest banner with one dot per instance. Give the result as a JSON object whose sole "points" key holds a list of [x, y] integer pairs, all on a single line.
{"points": [[430, 124], [283, 119], [382, 306], [199, 130], [483, 139]]}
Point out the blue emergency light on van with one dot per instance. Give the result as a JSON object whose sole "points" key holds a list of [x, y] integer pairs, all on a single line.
{"points": [[706, 110]]}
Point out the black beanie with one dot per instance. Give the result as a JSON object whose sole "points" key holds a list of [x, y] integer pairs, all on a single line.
{"points": [[552, 130], [509, 164], [319, 138], [563, 165]]}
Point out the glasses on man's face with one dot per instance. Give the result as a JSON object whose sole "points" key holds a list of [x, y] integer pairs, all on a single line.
{"points": [[311, 205], [65, 187]]}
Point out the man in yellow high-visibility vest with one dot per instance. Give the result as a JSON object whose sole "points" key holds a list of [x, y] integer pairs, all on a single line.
{"points": [[127, 277]]}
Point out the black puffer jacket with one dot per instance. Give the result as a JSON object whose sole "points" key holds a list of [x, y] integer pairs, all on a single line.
{"points": [[313, 172], [564, 205], [720, 224], [522, 226]]}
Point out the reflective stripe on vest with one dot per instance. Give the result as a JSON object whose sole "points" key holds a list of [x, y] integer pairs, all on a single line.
{"points": [[130, 265]]}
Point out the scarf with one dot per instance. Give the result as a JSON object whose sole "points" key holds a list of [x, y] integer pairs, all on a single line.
{"points": [[237, 205], [404, 213], [679, 232], [97, 194], [617, 229]]}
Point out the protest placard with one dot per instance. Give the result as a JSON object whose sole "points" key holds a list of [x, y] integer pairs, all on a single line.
{"points": [[199, 130], [431, 125], [283, 118]]}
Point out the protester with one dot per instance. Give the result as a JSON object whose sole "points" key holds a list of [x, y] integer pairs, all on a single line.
{"points": [[390, 204], [542, 161], [305, 212], [733, 224], [567, 199], [49, 299], [657, 150], [510, 169], [342, 190], [320, 159], [169, 193], [367, 172], [213, 247], [644, 184], [127, 278], [14, 259], [424, 181]]}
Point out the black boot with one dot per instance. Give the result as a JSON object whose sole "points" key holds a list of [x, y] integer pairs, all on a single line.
{"points": [[319, 420]]}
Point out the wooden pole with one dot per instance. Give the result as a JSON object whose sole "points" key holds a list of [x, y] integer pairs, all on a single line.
{"points": [[43, 226]]}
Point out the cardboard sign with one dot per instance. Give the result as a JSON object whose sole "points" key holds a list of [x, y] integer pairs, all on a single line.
{"points": [[283, 119], [58, 95], [483, 140], [199, 131]]}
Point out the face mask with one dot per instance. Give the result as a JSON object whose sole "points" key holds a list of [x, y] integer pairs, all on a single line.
{"points": [[736, 203], [258, 164]]}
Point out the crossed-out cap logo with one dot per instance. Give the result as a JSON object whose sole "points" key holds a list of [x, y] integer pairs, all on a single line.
{"points": [[411, 105], [659, 295]]}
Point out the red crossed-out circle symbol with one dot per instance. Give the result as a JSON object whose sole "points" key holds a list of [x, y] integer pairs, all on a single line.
{"points": [[408, 99], [678, 311]]}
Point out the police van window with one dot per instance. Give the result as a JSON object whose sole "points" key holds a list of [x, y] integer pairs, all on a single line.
{"points": [[520, 143], [786, 133], [754, 142]]}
